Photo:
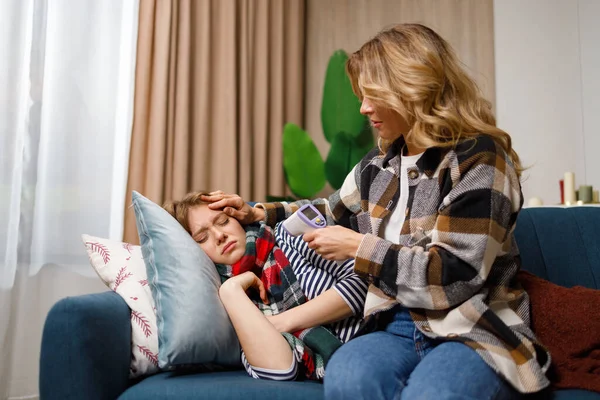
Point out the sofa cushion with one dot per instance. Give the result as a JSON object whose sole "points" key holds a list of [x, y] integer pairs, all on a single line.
{"points": [[121, 267], [573, 394], [561, 244], [566, 321], [238, 385], [220, 385], [193, 326]]}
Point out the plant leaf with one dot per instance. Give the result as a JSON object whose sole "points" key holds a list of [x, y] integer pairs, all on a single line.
{"points": [[344, 154], [302, 163], [340, 108]]}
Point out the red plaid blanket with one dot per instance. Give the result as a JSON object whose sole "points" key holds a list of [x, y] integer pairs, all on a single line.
{"points": [[312, 347]]}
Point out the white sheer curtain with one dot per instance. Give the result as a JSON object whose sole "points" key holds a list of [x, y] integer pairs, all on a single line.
{"points": [[66, 101]]}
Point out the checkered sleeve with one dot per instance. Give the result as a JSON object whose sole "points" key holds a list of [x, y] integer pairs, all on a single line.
{"points": [[472, 227], [337, 209]]}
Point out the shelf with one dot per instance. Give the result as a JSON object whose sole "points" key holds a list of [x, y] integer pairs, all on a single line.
{"points": [[564, 206]]}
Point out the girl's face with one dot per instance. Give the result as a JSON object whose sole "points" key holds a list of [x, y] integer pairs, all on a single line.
{"points": [[221, 237], [388, 123]]}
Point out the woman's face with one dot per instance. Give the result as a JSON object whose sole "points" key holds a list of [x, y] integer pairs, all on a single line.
{"points": [[388, 123], [221, 237]]}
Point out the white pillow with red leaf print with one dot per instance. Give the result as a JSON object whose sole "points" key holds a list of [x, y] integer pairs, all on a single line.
{"points": [[121, 267]]}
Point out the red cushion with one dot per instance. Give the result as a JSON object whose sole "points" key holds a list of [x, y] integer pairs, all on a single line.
{"points": [[567, 322]]}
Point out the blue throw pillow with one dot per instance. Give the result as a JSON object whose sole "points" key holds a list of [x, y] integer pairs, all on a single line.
{"points": [[193, 326]]}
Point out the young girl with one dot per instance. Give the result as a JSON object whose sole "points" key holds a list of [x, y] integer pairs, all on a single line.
{"points": [[287, 274], [429, 218]]}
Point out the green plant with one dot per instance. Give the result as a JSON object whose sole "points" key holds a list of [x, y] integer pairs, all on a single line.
{"points": [[344, 127]]}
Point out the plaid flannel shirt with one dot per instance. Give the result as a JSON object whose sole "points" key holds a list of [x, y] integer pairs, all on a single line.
{"points": [[456, 262]]}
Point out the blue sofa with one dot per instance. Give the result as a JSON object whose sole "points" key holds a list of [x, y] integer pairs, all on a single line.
{"points": [[86, 340]]}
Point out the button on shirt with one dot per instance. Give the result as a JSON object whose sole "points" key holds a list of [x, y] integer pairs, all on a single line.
{"points": [[397, 217]]}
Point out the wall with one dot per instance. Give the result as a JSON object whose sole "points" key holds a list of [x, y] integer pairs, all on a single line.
{"points": [[547, 89], [347, 24], [589, 36]]}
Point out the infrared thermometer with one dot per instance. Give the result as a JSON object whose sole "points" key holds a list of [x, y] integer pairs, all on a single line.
{"points": [[306, 219]]}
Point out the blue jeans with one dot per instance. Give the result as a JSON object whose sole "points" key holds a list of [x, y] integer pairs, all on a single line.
{"points": [[399, 362]]}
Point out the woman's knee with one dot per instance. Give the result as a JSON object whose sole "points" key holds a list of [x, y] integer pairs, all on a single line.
{"points": [[358, 370], [342, 366], [454, 370]]}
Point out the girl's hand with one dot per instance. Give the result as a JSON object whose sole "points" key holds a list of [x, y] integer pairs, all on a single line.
{"points": [[234, 206], [334, 242], [244, 282]]}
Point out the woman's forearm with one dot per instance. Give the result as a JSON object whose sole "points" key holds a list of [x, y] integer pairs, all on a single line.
{"points": [[326, 308]]}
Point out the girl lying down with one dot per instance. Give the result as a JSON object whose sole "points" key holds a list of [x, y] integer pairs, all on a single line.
{"points": [[268, 279]]}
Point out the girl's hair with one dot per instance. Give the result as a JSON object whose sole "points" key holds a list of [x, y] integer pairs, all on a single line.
{"points": [[180, 209], [411, 70]]}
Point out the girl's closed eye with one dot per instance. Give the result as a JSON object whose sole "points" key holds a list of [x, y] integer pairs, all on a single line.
{"points": [[202, 238], [223, 221]]}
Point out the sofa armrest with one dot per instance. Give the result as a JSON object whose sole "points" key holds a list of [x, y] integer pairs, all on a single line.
{"points": [[86, 348]]}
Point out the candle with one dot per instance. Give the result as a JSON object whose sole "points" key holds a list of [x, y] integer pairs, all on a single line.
{"points": [[535, 202], [585, 193], [561, 184], [569, 186]]}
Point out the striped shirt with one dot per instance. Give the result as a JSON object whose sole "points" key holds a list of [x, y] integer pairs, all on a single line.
{"points": [[316, 275]]}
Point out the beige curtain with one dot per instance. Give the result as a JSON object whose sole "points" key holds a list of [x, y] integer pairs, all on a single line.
{"points": [[216, 80]]}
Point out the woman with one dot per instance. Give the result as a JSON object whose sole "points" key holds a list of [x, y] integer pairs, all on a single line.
{"points": [[287, 274], [429, 218]]}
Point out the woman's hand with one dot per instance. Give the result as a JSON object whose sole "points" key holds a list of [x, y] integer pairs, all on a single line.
{"points": [[334, 242], [234, 206], [244, 282]]}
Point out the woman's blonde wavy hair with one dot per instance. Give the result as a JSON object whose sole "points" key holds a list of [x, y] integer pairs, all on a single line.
{"points": [[410, 69]]}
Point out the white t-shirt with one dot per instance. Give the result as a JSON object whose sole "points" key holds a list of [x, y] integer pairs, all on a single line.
{"points": [[396, 220]]}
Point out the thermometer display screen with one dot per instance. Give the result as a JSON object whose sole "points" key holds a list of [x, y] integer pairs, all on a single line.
{"points": [[310, 213]]}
